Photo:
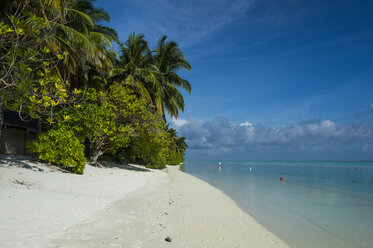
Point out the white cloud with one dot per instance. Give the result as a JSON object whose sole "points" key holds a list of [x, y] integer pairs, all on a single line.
{"points": [[222, 135], [246, 124], [177, 123]]}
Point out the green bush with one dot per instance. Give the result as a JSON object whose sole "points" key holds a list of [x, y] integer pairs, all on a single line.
{"points": [[60, 146], [176, 148], [148, 149], [174, 158], [149, 146]]}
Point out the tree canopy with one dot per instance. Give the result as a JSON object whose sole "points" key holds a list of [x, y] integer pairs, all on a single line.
{"points": [[57, 66]]}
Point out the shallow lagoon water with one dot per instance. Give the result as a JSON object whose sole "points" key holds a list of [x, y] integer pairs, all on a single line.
{"points": [[318, 204]]}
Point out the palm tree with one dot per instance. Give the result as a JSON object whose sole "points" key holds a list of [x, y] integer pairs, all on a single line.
{"points": [[181, 144], [169, 60], [135, 67], [85, 41], [77, 31], [178, 144], [154, 77]]}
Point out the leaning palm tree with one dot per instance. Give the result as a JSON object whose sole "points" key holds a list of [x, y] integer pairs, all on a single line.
{"points": [[169, 60]]}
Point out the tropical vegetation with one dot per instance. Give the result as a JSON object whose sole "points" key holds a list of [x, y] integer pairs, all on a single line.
{"points": [[57, 65]]}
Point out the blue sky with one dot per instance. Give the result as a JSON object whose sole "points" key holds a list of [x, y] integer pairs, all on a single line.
{"points": [[283, 79]]}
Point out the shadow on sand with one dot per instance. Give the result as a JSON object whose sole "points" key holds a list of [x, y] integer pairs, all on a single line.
{"points": [[124, 166], [17, 162], [26, 163]]}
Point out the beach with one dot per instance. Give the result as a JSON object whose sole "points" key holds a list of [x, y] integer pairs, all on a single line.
{"points": [[119, 207]]}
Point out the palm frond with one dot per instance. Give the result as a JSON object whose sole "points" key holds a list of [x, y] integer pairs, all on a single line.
{"points": [[55, 3], [101, 39], [99, 15], [79, 20], [76, 37], [110, 32]]}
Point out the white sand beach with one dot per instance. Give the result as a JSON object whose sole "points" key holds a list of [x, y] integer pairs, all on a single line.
{"points": [[116, 207]]}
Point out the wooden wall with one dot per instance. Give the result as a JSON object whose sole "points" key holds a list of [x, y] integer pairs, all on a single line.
{"points": [[14, 140]]}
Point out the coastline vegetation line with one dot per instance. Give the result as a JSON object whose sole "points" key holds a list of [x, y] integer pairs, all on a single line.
{"points": [[57, 66]]}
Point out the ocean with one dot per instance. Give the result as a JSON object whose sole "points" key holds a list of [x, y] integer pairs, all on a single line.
{"points": [[318, 204]]}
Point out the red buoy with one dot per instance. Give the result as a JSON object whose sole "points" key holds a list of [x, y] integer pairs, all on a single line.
{"points": [[281, 179]]}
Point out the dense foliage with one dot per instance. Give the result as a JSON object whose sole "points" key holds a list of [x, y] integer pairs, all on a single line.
{"points": [[56, 66], [109, 120], [60, 146], [30, 81], [177, 147], [150, 145]]}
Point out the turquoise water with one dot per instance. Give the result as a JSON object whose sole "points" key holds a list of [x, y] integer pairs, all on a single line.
{"points": [[319, 204]]}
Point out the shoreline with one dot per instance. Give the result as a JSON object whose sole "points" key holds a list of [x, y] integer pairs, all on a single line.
{"points": [[167, 204]]}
